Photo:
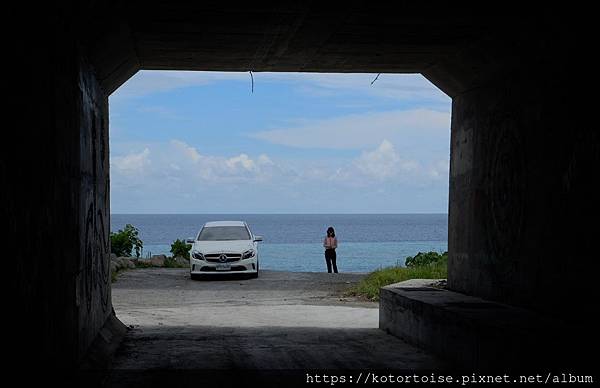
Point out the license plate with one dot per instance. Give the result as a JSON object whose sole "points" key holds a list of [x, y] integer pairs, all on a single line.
{"points": [[223, 267]]}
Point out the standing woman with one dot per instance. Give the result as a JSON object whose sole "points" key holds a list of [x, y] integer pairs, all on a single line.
{"points": [[330, 243]]}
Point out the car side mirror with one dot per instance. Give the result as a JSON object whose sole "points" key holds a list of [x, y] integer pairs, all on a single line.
{"points": [[258, 238], [189, 241]]}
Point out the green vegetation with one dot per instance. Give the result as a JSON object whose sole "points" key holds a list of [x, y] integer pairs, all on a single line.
{"points": [[425, 258], [430, 265], [170, 262], [123, 242], [143, 264], [180, 248]]}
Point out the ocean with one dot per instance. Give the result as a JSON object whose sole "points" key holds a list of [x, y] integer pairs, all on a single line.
{"points": [[293, 242]]}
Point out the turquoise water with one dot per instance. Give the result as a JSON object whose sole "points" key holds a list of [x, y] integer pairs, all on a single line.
{"points": [[293, 242], [351, 257]]}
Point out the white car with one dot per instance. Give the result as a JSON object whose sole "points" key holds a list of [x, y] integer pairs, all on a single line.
{"points": [[224, 247]]}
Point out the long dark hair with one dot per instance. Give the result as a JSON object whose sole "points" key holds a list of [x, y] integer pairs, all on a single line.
{"points": [[330, 232]]}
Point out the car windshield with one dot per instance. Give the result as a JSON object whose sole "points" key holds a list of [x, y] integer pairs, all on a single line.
{"points": [[224, 233]]}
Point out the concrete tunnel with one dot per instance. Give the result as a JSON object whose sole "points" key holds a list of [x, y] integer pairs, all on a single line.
{"points": [[524, 153]]}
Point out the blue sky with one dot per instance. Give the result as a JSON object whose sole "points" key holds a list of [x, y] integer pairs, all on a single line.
{"points": [[202, 142]]}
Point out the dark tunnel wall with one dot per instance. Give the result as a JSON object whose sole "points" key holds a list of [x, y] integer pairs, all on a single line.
{"points": [[524, 158], [57, 201], [92, 281]]}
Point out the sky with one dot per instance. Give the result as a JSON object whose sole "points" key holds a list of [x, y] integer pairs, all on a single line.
{"points": [[207, 142]]}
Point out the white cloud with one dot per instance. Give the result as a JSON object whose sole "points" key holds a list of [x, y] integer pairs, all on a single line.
{"points": [[183, 174], [381, 163], [186, 150], [209, 169], [133, 163], [361, 131], [385, 165], [241, 162], [264, 160], [181, 163]]}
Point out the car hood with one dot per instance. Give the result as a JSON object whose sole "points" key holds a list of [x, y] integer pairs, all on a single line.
{"points": [[234, 246]]}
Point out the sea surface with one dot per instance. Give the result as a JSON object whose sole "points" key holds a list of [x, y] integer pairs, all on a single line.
{"points": [[293, 242]]}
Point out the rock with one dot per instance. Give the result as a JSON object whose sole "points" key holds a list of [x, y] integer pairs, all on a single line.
{"points": [[113, 267], [158, 260], [113, 257], [128, 263], [442, 283], [121, 262], [117, 263], [182, 261]]}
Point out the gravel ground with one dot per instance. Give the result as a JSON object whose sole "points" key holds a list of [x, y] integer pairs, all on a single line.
{"points": [[282, 320]]}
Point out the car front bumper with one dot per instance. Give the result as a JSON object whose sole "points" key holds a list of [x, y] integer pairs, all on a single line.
{"points": [[198, 267]]}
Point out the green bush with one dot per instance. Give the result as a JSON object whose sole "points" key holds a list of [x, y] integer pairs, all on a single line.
{"points": [[426, 258], [180, 248], [124, 241]]}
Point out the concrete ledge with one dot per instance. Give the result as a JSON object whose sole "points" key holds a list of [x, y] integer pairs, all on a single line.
{"points": [[104, 346], [469, 332]]}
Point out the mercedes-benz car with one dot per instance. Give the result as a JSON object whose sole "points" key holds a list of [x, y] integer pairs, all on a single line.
{"points": [[224, 247]]}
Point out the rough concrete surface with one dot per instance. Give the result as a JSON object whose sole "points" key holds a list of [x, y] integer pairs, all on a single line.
{"points": [[281, 320], [479, 334]]}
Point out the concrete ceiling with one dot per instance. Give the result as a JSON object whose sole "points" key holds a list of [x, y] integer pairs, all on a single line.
{"points": [[350, 36]]}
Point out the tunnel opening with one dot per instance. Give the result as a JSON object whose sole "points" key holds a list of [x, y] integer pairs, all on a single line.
{"points": [[400, 130]]}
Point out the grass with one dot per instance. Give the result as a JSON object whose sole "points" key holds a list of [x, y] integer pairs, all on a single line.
{"points": [[369, 287], [171, 263]]}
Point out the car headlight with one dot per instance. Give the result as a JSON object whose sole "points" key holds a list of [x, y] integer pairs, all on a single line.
{"points": [[249, 254], [198, 255]]}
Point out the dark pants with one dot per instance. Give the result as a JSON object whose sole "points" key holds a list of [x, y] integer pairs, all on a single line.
{"points": [[330, 258]]}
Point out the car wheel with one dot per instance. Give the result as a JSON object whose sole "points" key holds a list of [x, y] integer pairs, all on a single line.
{"points": [[194, 276]]}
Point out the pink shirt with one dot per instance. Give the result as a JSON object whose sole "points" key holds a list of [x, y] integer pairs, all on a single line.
{"points": [[330, 242]]}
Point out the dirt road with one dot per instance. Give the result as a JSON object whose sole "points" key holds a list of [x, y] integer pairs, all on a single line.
{"points": [[281, 320]]}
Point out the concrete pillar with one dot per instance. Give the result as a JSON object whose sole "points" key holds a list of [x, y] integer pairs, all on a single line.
{"points": [[55, 199], [523, 169]]}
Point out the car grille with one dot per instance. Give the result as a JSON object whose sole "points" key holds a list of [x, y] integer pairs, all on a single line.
{"points": [[234, 268], [216, 257]]}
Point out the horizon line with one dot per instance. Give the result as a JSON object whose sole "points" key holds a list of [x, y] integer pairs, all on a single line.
{"points": [[283, 213]]}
